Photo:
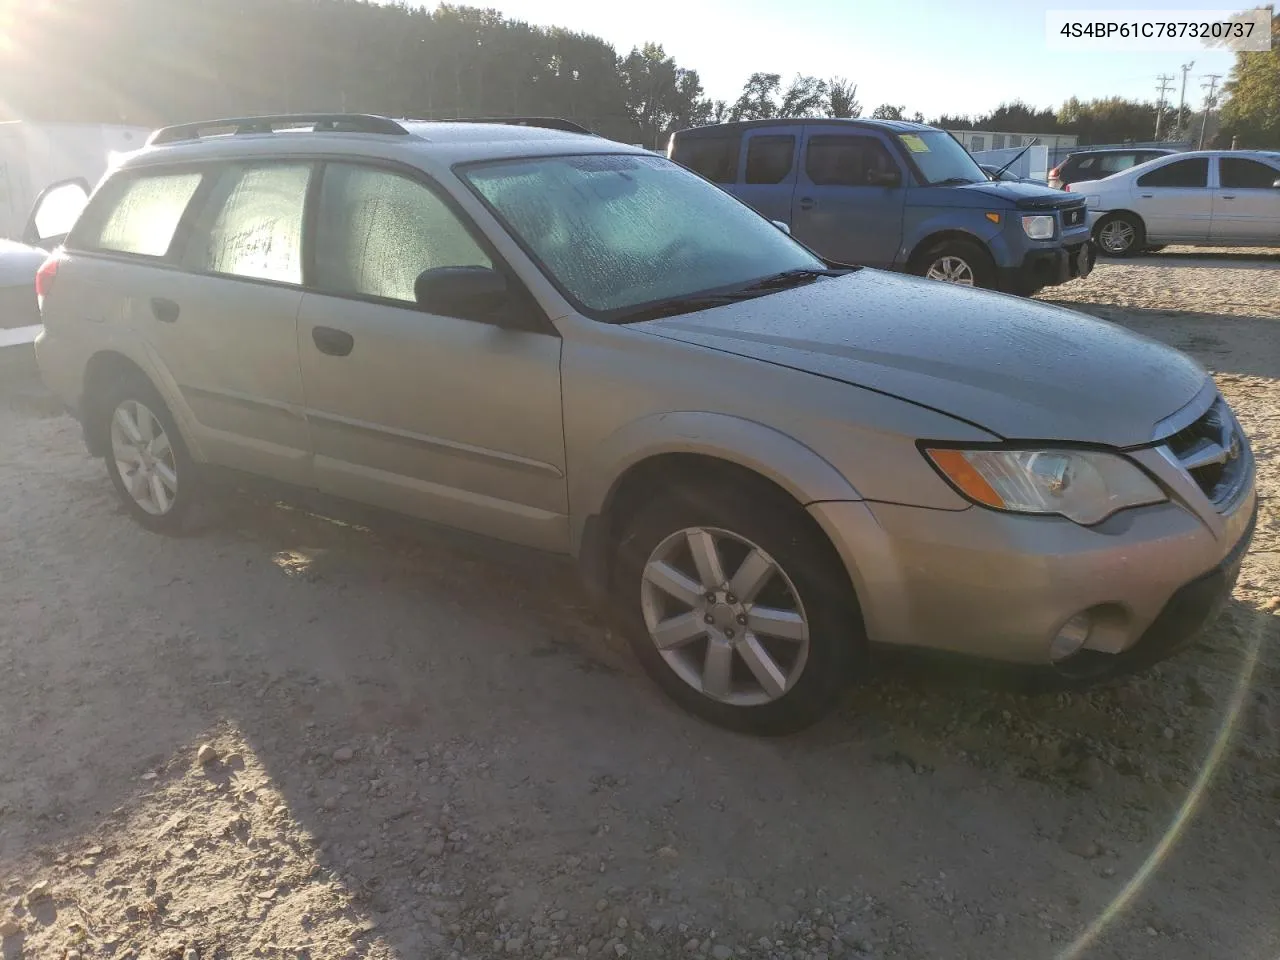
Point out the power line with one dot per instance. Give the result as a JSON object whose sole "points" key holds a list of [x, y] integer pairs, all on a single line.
{"points": [[1166, 84], [1210, 99], [1182, 99]]}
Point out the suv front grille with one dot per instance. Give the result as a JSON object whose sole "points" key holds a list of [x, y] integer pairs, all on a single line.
{"points": [[1214, 454], [1073, 216]]}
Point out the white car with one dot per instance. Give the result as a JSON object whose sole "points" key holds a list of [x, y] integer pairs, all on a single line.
{"points": [[1216, 198]]}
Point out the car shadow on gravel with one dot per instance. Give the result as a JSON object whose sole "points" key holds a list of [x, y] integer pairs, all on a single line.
{"points": [[475, 752], [471, 682]]}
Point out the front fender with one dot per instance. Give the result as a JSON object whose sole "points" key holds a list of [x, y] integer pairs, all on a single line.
{"points": [[937, 224], [764, 450]]}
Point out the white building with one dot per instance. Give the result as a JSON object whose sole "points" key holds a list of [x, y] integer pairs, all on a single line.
{"points": [[979, 141]]}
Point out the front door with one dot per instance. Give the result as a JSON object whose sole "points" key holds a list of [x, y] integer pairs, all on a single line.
{"points": [[849, 197], [1246, 203], [1175, 202], [443, 417], [768, 177]]}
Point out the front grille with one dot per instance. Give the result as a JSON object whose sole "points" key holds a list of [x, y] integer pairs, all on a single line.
{"points": [[1214, 453], [1073, 216]]}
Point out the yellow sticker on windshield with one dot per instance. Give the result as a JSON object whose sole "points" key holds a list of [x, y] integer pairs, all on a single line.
{"points": [[914, 143]]}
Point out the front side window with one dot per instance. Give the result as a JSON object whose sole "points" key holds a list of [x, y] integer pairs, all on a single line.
{"points": [[378, 231], [846, 161], [252, 225], [1236, 173], [769, 158], [619, 231], [1193, 172], [136, 214]]}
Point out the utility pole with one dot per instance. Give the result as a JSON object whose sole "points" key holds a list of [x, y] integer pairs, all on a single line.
{"points": [[1209, 100], [1166, 84], [1182, 99]]}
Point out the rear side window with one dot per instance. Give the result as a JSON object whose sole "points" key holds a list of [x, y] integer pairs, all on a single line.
{"points": [[378, 231], [1193, 172], [715, 158], [136, 214], [1237, 173], [252, 225], [769, 158], [1115, 162], [843, 161]]}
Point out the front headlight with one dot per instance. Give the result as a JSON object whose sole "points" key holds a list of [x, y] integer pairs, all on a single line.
{"points": [[1038, 227], [1092, 200], [1081, 485]]}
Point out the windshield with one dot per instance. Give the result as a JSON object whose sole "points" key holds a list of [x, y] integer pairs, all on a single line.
{"points": [[941, 159], [616, 232]]}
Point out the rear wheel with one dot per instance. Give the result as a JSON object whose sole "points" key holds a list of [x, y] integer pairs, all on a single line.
{"points": [[146, 457], [739, 610], [1120, 235], [957, 261]]}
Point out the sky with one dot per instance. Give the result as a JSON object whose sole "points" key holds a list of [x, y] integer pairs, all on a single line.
{"points": [[935, 56]]}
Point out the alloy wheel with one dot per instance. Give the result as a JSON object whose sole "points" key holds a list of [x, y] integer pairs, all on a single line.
{"points": [[144, 457], [724, 616], [952, 269]]}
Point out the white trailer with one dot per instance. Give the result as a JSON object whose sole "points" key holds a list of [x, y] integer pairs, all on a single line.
{"points": [[35, 155]]}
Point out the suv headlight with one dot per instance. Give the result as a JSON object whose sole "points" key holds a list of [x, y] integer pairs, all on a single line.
{"points": [[1082, 485], [1039, 227]]}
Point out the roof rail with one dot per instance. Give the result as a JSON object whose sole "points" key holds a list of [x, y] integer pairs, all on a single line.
{"points": [[549, 123], [320, 122]]}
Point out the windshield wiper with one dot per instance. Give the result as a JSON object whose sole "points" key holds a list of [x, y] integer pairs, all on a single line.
{"points": [[953, 182], [791, 278]]}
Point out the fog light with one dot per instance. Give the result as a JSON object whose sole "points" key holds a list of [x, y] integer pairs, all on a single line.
{"points": [[1070, 638]]}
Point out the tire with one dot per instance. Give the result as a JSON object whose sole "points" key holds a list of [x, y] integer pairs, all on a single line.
{"points": [[807, 595], [957, 261], [131, 410], [1120, 235]]}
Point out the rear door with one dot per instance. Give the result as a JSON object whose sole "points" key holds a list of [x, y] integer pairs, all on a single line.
{"points": [[850, 196], [224, 323], [1246, 202], [1174, 201], [767, 180]]}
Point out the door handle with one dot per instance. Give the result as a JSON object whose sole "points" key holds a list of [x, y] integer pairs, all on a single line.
{"points": [[1227, 196], [336, 343], [807, 203], [166, 311], [1147, 196]]}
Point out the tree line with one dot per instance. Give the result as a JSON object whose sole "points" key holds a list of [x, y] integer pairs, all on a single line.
{"points": [[152, 62]]}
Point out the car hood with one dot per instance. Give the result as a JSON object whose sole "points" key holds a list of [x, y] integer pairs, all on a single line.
{"points": [[1023, 194], [1017, 368]]}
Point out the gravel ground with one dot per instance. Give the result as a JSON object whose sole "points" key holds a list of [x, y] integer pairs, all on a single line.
{"points": [[292, 736]]}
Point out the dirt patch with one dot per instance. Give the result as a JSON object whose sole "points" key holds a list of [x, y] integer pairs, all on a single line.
{"points": [[424, 747]]}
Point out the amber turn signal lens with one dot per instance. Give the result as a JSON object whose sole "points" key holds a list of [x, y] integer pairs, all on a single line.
{"points": [[957, 468]]}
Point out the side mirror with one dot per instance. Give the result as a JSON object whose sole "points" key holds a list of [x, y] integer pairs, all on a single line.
{"points": [[784, 227], [55, 213], [1276, 183], [473, 293], [884, 178]]}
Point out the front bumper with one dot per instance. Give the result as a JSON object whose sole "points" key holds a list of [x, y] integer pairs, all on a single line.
{"points": [[999, 586], [1050, 267]]}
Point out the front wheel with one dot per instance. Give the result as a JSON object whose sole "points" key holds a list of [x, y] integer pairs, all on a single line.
{"points": [[740, 611], [957, 261], [1120, 235]]}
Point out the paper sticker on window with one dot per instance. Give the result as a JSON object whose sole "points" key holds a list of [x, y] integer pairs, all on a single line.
{"points": [[914, 143]]}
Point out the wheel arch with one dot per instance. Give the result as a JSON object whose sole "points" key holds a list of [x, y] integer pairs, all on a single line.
{"points": [[943, 236], [109, 366], [1118, 212], [701, 447]]}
